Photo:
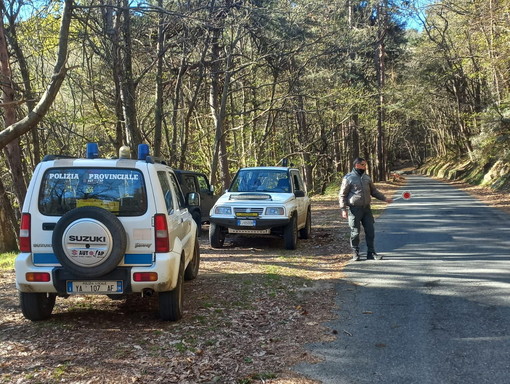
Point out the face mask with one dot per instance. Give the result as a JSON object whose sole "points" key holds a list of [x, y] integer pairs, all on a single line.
{"points": [[359, 171]]}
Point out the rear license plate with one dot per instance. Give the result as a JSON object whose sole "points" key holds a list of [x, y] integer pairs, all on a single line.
{"points": [[246, 223], [95, 287]]}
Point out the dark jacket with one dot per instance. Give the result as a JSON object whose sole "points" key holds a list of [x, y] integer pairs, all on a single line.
{"points": [[358, 190]]}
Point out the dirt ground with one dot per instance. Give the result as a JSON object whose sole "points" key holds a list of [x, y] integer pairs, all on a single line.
{"points": [[247, 317]]}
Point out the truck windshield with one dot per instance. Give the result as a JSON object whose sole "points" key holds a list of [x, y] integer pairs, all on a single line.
{"points": [[261, 180]]}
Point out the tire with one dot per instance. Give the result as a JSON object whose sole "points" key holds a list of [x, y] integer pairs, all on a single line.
{"points": [[191, 271], [37, 306], [290, 234], [305, 232], [216, 236], [105, 253], [170, 302]]}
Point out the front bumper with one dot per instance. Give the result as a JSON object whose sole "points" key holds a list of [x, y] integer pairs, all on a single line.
{"points": [[260, 223]]}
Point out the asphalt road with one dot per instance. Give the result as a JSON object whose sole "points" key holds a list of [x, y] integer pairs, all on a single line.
{"points": [[436, 309]]}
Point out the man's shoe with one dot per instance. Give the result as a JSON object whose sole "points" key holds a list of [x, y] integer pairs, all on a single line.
{"points": [[355, 255], [373, 256]]}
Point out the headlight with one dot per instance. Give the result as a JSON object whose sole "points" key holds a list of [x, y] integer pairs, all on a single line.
{"points": [[222, 210], [273, 211]]}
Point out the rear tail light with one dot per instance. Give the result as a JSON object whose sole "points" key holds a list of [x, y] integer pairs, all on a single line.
{"points": [[145, 276], [40, 277], [24, 234], [162, 239]]}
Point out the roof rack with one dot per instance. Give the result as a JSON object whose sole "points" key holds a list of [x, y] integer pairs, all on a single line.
{"points": [[153, 159]]}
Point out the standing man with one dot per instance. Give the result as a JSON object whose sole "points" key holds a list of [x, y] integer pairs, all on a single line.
{"points": [[355, 195]]}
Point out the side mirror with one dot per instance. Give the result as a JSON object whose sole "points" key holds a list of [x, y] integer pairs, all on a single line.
{"points": [[299, 193], [193, 199]]}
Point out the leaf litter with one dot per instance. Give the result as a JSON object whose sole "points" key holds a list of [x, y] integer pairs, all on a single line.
{"points": [[247, 318]]}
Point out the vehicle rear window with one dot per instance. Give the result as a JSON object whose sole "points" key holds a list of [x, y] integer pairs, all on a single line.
{"points": [[120, 191]]}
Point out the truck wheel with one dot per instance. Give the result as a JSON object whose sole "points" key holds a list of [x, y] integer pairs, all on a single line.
{"points": [[290, 234], [170, 302], [305, 232], [89, 241], [191, 271], [37, 306], [216, 236]]}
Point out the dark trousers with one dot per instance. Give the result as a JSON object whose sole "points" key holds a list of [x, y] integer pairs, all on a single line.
{"points": [[362, 216]]}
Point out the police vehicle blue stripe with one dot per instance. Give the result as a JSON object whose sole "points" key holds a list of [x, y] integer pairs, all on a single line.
{"points": [[130, 259], [138, 258], [45, 258]]}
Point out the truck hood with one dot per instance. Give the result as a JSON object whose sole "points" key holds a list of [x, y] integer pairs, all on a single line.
{"points": [[252, 197]]}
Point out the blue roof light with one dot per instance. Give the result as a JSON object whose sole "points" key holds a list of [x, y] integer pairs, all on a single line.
{"points": [[92, 151], [143, 151]]}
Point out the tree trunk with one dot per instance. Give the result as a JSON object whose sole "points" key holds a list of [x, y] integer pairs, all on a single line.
{"points": [[177, 136], [12, 150], [304, 139], [59, 72], [158, 112], [218, 101], [380, 166], [128, 88], [28, 93], [8, 221], [192, 104]]}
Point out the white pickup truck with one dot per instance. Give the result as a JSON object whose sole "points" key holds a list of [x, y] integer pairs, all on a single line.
{"points": [[262, 201]]}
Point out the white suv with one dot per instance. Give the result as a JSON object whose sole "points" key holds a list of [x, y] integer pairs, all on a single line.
{"points": [[263, 201], [105, 227]]}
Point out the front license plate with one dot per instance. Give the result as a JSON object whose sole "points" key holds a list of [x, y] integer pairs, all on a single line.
{"points": [[250, 231], [95, 287], [246, 223]]}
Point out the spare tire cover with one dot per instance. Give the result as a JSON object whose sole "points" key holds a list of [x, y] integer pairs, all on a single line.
{"points": [[89, 241]]}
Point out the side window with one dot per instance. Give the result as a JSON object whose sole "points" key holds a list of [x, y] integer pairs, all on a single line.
{"points": [[177, 189], [189, 183], [167, 191], [203, 184], [297, 182]]}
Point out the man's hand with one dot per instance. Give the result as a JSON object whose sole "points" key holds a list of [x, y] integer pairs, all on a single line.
{"points": [[389, 200], [344, 214]]}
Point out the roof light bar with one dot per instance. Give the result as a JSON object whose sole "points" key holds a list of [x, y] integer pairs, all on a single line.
{"points": [[143, 151], [92, 151]]}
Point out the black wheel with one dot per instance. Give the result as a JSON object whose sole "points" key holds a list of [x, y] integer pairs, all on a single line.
{"points": [[305, 232], [191, 271], [89, 241], [198, 219], [290, 234], [37, 306], [170, 302], [216, 236]]}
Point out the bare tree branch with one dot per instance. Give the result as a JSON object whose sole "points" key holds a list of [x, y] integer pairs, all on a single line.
{"points": [[59, 72]]}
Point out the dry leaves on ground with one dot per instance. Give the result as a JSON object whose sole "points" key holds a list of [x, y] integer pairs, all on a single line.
{"points": [[248, 317]]}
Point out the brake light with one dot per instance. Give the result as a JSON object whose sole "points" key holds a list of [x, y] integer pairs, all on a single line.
{"points": [[145, 276], [162, 239], [40, 277], [24, 234]]}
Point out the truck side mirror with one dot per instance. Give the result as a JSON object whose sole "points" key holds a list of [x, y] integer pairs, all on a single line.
{"points": [[193, 199]]}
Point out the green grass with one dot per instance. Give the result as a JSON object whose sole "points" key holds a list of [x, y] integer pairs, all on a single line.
{"points": [[7, 261]]}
